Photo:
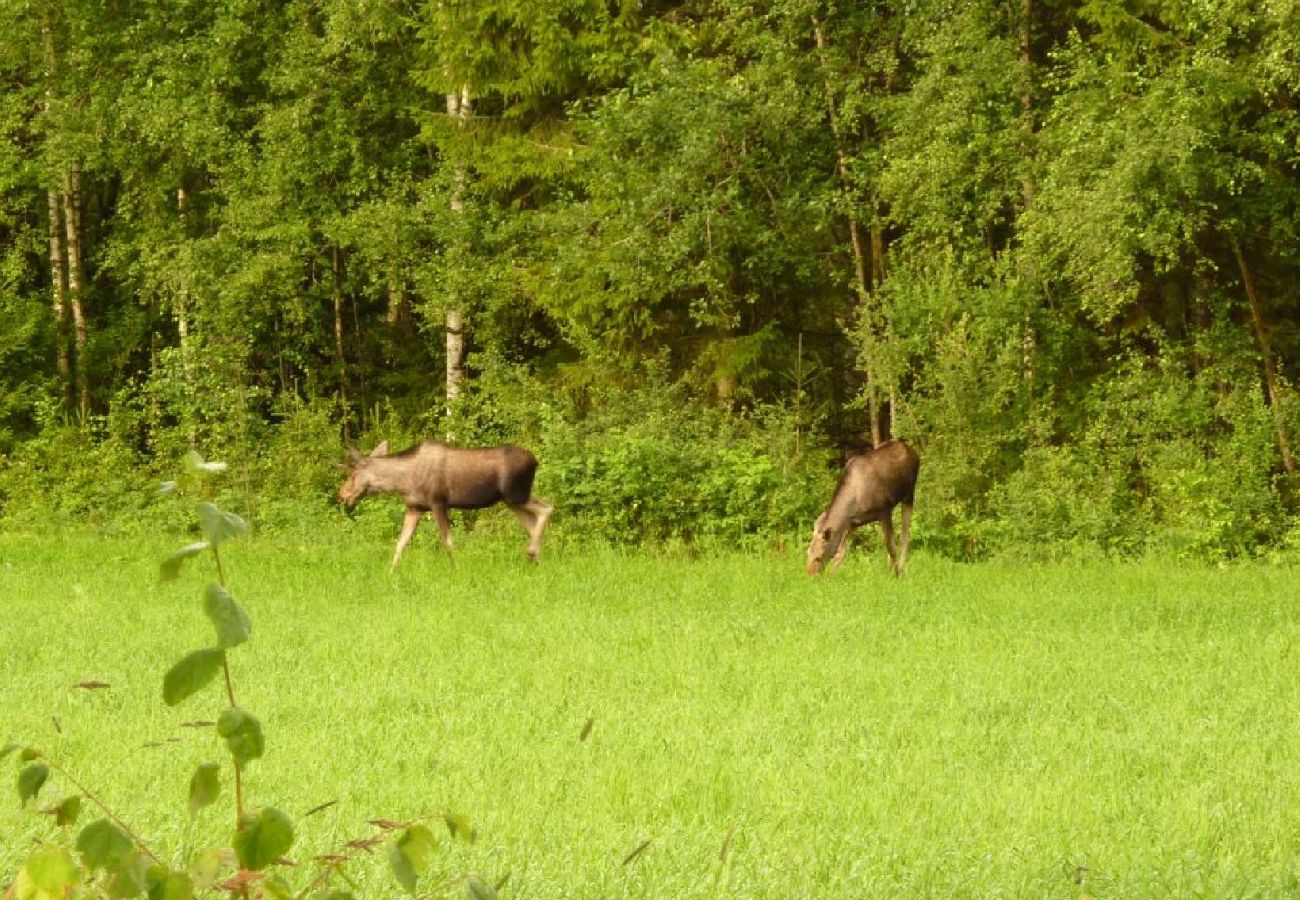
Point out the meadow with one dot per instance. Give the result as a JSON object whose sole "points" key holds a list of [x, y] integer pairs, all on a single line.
{"points": [[985, 730]]}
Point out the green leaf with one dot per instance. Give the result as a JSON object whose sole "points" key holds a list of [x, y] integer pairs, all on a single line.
{"points": [[48, 874], [218, 525], [410, 854], [205, 786], [227, 616], [206, 867], [130, 877], [478, 889], [66, 812], [243, 734], [262, 838], [30, 780], [167, 885], [403, 871], [103, 845], [192, 674], [170, 569]]}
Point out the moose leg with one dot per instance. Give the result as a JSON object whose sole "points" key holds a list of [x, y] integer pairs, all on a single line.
{"points": [[841, 550], [533, 515], [444, 526], [887, 526], [906, 535], [409, 524]]}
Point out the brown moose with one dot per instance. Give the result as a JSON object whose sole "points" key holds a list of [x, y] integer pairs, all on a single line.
{"points": [[871, 486], [434, 477]]}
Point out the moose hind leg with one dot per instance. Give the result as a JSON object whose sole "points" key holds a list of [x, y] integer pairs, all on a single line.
{"points": [[444, 526], [533, 515], [904, 537], [409, 524], [887, 526]]}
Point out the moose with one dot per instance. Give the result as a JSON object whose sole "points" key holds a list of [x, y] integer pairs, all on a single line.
{"points": [[870, 487], [434, 477]]}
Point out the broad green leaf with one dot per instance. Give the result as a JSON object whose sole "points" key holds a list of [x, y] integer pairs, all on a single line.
{"points": [[403, 871], [277, 888], [410, 854], [243, 734], [218, 524], [206, 867], [30, 780], [199, 464], [262, 838], [205, 786], [478, 889], [166, 885], [227, 616], [47, 875], [192, 674], [170, 569], [67, 811], [130, 877], [102, 844], [29, 754]]}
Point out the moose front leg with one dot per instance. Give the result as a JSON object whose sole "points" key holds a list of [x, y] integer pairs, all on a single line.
{"points": [[841, 550], [409, 524]]}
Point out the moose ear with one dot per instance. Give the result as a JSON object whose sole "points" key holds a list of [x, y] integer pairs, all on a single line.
{"points": [[380, 450], [354, 456]]}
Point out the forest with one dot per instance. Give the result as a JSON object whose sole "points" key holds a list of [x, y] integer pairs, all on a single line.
{"points": [[692, 254]]}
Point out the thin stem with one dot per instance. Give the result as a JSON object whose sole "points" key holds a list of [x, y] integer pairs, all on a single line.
{"points": [[86, 792], [230, 695]]}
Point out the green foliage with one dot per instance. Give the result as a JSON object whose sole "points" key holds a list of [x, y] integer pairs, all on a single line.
{"points": [[262, 838], [205, 786], [103, 845], [192, 673], [962, 224]]}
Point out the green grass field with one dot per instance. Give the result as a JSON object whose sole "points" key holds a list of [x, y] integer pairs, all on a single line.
{"points": [[970, 731]]}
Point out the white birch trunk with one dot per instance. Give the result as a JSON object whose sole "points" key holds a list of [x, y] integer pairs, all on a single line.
{"points": [[458, 107], [76, 270]]}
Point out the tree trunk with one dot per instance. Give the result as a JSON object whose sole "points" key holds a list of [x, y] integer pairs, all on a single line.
{"points": [[58, 254], [458, 107], [1271, 392], [76, 270], [336, 269], [862, 283], [59, 294]]}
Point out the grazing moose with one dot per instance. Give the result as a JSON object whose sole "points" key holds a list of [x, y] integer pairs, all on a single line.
{"points": [[871, 486], [433, 477]]}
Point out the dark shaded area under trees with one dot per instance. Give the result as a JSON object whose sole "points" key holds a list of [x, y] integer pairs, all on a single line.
{"points": [[691, 253]]}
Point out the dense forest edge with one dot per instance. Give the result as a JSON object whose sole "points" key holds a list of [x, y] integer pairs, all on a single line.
{"points": [[692, 254]]}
